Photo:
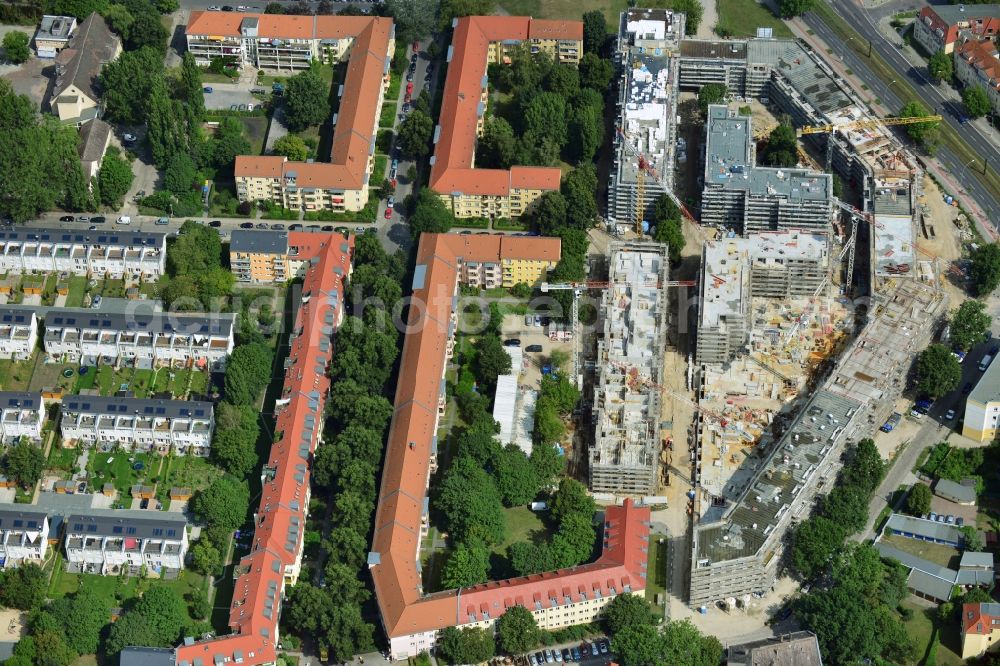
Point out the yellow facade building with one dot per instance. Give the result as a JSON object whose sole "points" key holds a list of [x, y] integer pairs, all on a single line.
{"points": [[982, 409], [980, 628]]}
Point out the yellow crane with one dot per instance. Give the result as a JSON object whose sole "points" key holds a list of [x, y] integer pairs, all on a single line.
{"points": [[868, 123]]}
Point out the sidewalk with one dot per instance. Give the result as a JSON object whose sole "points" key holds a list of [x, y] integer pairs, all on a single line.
{"points": [[946, 179]]}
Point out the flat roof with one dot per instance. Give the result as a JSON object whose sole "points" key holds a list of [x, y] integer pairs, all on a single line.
{"points": [[647, 110], [931, 529], [258, 241], [987, 389], [55, 27], [728, 163], [893, 248], [813, 80]]}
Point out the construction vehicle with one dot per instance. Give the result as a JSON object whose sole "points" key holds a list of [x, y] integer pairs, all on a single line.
{"points": [[646, 168]]}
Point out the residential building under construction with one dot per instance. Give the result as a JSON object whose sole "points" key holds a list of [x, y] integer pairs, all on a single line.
{"points": [[739, 536], [777, 265], [747, 198], [645, 141], [627, 400]]}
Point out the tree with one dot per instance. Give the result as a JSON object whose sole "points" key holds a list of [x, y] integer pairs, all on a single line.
{"points": [[549, 213], [114, 178], [969, 325], [307, 608], [789, 9], [119, 19], [247, 373], [596, 72], [712, 93], [471, 645], [547, 461], [580, 187], [414, 135], [24, 587], [627, 610], [866, 468], [847, 506], [515, 477], [129, 78], [234, 445], [15, 46], [571, 498], [206, 558], [972, 539], [586, 132], [468, 499], [167, 6], [682, 643], [223, 504], [918, 501], [636, 645], [415, 19], [492, 359], [180, 174], [517, 630], [228, 142], [814, 542], [147, 32], [595, 32], [545, 118], [191, 86], [563, 81], [781, 146], [467, 565], [926, 134], [155, 620], [24, 463], [274, 8], [574, 542], [974, 98], [451, 9], [938, 371], [940, 66], [497, 146], [292, 147], [305, 100], [168, 132], [83, 617], [52, 649], [985, 269]]}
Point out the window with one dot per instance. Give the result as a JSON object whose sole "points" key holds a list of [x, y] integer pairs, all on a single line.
{"points": [[157, 531], [130, 530], [77, 527], [91, 528], [117, 529], [171, 533]]}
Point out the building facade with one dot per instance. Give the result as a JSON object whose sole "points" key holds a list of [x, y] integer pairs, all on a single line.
{"points": [[938, 28], [22, 415], [53, 35], [18, 332], [24, 535], [273, 256], [982, 408], [504, 261], [157, 339], [341, 182], [182, 427], [980, 628], [977, 63], [477, 42], [117, 542], [113, 254]]}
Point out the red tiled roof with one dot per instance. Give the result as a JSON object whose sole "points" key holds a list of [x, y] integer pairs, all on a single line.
{"points": [[354, 135], [281, 513], [983, 56], [977, 618], [460, 109], [403, 607]]}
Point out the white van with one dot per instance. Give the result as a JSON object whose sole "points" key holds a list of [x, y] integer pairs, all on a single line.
{"points": [[124, 219]]}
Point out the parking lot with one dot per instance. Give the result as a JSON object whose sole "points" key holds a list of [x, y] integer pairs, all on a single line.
{"points": [[225, 95], [582, 653]]}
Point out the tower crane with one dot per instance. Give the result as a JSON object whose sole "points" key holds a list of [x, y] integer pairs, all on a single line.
{"points": [[647, 168], [867, 123]]}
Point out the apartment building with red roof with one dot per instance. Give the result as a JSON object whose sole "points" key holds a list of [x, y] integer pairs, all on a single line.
{"points": [[288, 44], [275, 555], [411, 618], [980, 628], [977, 63], [477, 42], [940, 27]]}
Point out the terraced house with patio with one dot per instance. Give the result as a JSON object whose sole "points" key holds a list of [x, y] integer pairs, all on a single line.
{"points": [[18, 332], [271, 41], [112, 542], [22, 415], [140, 340], [24, 535], [479, 41], [182, 427], [112, 254]]}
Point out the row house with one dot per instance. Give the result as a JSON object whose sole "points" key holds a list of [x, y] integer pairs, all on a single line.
{"points": [[941, 27], [115, 542], [24, 535], [488, 262], [278, 256], [978, 64], [178, 426], [22, 414], [113, 254], [159, 338], [18, 332]]}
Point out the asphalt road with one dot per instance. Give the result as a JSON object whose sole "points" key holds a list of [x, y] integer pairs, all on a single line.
{"points": [[984, 143], [935, 429]]}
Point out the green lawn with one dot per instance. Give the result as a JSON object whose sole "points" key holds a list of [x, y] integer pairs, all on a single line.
{"points": [[120, 470], [741, 18], [380, 173], [15, 375], [62, 459], [85, 381], [920, 629], [522, 525], [656, 571], [933, 552], [255, 128], [565, 9], [388, 116], [115, 590]]}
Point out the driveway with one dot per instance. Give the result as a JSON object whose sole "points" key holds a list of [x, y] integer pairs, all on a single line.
{"points": [[224, 95], [31, 78]]}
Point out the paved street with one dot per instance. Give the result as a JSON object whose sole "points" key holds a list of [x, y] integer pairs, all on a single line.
{"points": [[930, 95]]}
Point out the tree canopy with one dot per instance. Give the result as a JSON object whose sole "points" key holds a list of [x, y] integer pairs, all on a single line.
{"points": [[24, 462], [627, 610], [976, 101], [938, 371], [517, 630], [712, 93], [940, 66], [781, 147], [114, 178], [155, 620], [234, 444], [789, 9], [679, 642], [925, 134], [414, 134], [306, 102], [471, 645], [15, 46], [969, 325], [292, 147], [918, 500], [467, 565], [223, 504], [985, 268]]}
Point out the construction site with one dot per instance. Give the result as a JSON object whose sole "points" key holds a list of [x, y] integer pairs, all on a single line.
{"points": [[624, 458]]}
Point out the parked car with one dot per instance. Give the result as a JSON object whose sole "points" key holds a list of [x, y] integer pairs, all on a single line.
{"points": [[144, 504], [162, 221], [532, 660], [567, 655], [227, 8], [548, 656], [391, 201], [66, 218], [262, 225], [207, 89], [512, 342], [214, 8], [215, 224], [533, 348], [603, 645], [277, 226], [576, 653], [295, 227], [246, 225], [100, 219], [949, 415], [327, 227], [129, 139], [594, 649], [557, 655]]}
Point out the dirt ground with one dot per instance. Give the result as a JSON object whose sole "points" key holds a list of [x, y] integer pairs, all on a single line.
{"points": [[31, 78], [513, 327], [948, 239], [12, 624]]}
